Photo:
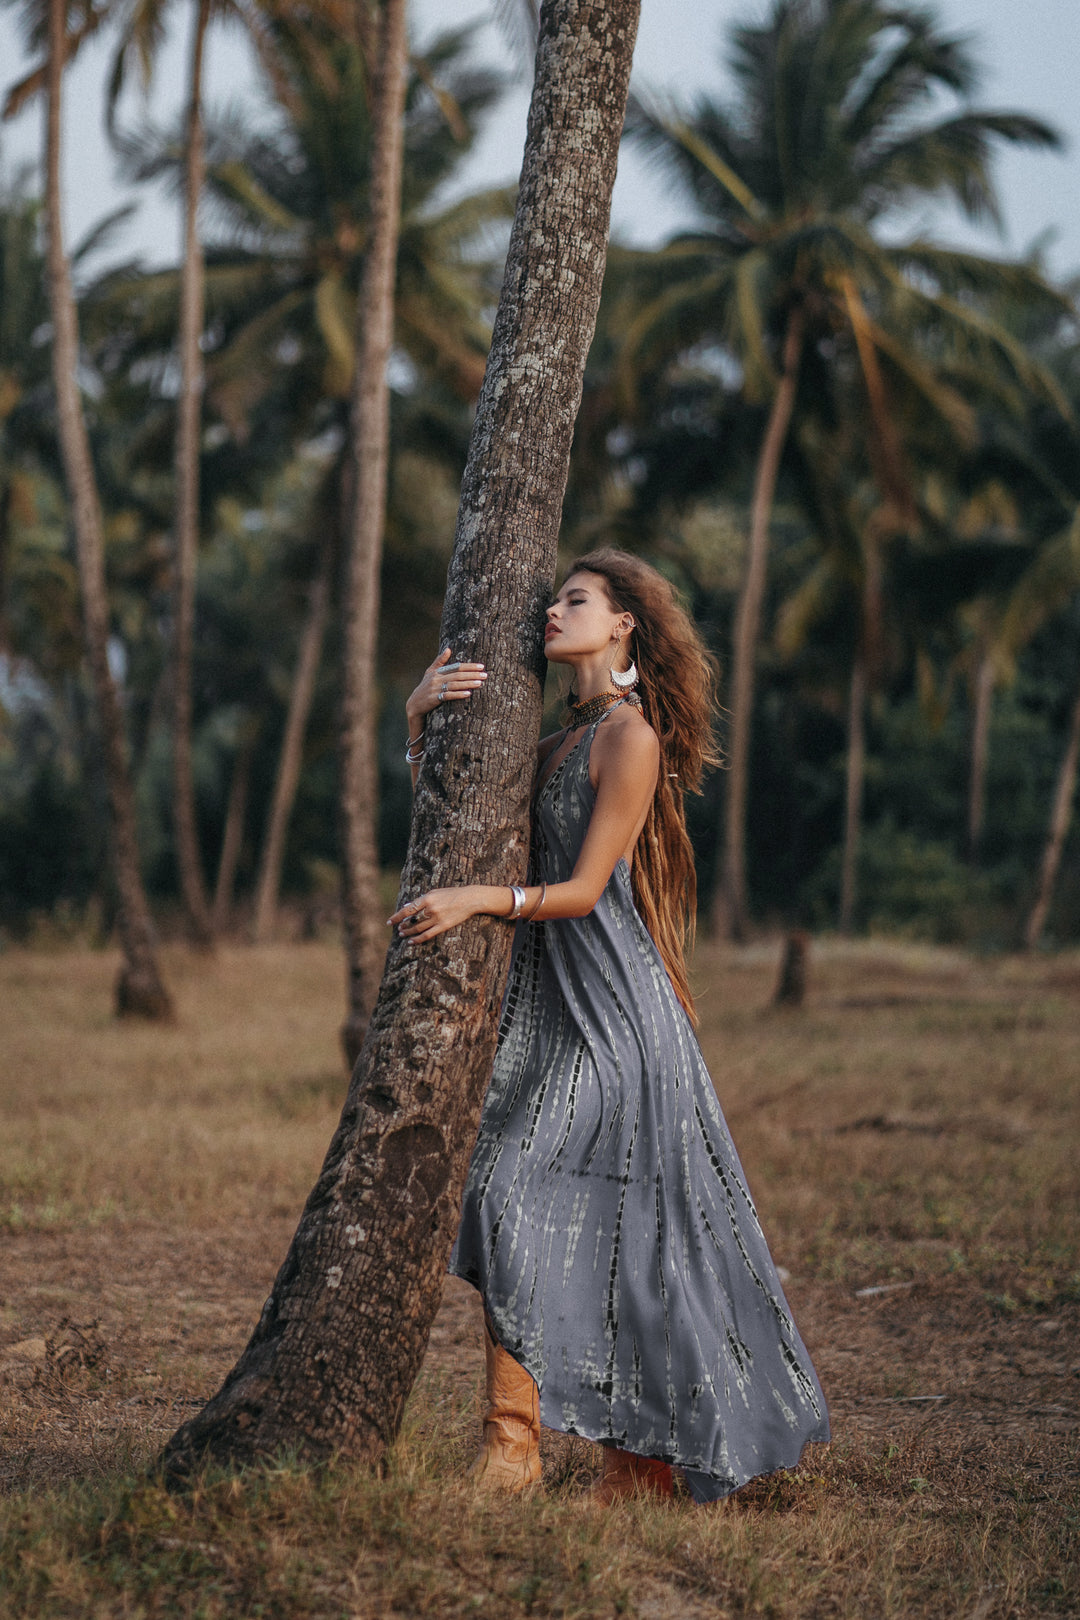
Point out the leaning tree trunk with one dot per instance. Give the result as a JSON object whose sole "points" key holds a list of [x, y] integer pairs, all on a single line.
{"points": [[980, 753], [730, 916], [853, 795], [342, 1336], [1060, 817], [186, 522], [292, 750], [140, 988], [365, 933]]}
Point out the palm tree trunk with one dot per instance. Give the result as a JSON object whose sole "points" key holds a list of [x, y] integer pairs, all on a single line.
{"points": [[980, 753], [365, 932], [342, 1336], [853, 797], [140, 988], [1060, 818], [186, 548], [232, 839], [6, 503], [730, 916], [292, 750]]}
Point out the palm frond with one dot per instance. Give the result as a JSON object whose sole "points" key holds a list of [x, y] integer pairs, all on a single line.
{"points": [[751, 272], [100, 235], [1044, 589], [951, 157], [813, 600], [946, 403], [684, 313]]}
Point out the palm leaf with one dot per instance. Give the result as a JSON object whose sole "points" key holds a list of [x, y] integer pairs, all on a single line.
{"points": [[1043, 590]]}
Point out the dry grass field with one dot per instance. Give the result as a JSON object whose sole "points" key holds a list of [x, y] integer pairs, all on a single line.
{"points": [[912, 1131]]}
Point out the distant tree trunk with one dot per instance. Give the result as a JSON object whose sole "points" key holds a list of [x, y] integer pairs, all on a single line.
{"points": [[1060, 817], [186, 523], [343, 1333], [730, 917], [139, 988], [6, 503], [791, 984], [232, 839], [853, 796], [980, 753], [365, 931], [292, 750]]}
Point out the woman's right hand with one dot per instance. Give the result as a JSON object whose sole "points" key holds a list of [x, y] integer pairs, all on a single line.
{"points": [[442, 682]]}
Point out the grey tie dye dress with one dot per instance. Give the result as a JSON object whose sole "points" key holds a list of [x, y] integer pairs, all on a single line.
{"points": [[606, 1219]]}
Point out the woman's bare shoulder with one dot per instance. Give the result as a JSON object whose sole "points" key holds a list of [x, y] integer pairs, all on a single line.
{"points": [[627, 740]]}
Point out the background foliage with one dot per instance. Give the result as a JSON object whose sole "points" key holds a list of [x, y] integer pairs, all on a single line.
{"points": [[984, 567]]}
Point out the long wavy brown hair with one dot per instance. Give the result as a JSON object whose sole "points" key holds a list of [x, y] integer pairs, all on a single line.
{"points": [[677, 689]]}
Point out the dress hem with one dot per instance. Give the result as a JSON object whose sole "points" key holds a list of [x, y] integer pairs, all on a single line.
{"points": [[704, 1487]]}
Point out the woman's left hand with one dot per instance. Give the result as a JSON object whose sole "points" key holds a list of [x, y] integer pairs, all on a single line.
{"points": [[436, 911]]}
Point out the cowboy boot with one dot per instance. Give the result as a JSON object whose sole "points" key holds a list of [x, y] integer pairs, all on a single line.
{"points": [[509, 1457], [626, 1474]]}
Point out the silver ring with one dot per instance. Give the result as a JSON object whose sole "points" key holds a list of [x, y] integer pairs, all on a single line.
{"points": [[442, 695]]}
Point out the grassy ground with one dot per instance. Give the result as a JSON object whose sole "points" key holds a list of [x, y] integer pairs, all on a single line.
{"points": [[913, 1130]]}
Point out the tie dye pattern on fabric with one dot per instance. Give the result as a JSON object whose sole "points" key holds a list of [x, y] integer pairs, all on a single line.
{"points": [[606, 1219]]}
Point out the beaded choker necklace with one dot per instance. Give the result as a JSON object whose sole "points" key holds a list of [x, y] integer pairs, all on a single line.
{"points": [[583, 714]]}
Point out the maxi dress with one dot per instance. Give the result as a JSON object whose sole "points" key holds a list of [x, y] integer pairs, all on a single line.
{"points": [[606, 1220]]}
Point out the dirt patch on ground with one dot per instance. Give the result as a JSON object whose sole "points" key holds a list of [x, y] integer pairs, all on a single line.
{"points": [[110, 1338]]}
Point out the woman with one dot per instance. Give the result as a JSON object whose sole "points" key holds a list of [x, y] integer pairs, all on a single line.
{"points": [[628, 1290]]}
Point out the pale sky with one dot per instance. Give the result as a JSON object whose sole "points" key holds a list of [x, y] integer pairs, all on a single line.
{"points": [[1029, 52]]}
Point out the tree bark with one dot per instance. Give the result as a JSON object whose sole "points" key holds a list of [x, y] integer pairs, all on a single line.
{"points": [[186, 528], [1060, 818], [6, 503], [980, 753], [139, 987], [365, 933], [791, 985], [853, 796], [343, 1333], [730, 916], [292, 750], [232, 840]]}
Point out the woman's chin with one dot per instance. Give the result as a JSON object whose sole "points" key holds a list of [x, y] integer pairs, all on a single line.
{"points": [[553, 653]]}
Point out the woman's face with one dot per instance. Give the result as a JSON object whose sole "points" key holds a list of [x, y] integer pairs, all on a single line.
{"points": [[581, 620]]}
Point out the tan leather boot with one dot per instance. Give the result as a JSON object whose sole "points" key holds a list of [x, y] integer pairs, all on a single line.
{"points": [[509, 1457], [626, 1474]]}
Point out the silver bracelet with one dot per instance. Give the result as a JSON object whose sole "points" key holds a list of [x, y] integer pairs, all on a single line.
{"points": [[519, 902], [536, 908], [414, 758]]}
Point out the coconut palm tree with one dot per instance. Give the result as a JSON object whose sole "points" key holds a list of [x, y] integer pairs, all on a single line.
{"points": [[140, 988], [833, 132], [380, 1219], [365, 939], [1061, 813], [955, 531], [25, 392], [142, 28], [287, 224]]}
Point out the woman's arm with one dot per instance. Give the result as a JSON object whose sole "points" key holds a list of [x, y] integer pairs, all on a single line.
{"points": [[441, 682], [625, 763]]}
